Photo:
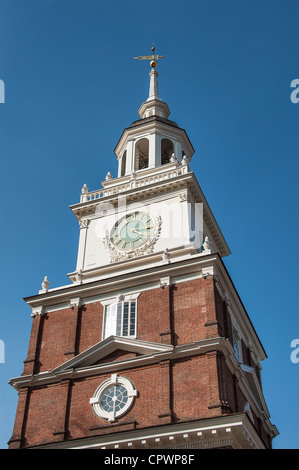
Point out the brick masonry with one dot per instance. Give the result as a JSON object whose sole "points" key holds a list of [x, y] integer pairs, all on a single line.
{"points": [[170, 391]]}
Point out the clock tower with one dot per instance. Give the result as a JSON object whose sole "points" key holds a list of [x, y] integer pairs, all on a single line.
{"points": [[149, 345]]}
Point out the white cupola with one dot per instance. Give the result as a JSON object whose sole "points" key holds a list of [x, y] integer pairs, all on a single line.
{"points": [[153, 140]]}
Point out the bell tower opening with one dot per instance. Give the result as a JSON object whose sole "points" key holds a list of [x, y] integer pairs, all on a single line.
{"points": [[123, 164], [141, 154], [167, 149]]}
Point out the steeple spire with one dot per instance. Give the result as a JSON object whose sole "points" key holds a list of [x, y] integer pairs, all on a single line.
{"points": [[153, 106], [153, 89]]}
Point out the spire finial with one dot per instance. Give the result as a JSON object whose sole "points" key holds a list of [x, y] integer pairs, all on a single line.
{"points": [[153, 58], [153, 105]]}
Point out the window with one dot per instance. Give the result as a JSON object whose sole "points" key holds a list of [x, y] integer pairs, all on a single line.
{"points": [[120, 319], [113, 397]]}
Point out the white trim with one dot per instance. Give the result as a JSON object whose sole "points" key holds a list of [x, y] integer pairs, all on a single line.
{"points": [[109, 345], [119, 297], [237, 345], [235, 430], [95, 401], [121, 300]]}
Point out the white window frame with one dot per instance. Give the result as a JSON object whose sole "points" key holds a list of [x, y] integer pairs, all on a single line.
{"points": [[95, 401], [237, 345], [115, 308]]}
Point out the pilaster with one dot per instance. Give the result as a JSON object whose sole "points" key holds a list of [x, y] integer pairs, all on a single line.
{"points": [[165, 414], [16, 440], [60, 430], [30, 363], [73, 328]]}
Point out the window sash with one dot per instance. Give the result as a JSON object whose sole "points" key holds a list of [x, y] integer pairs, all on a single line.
{"points": [[120, 319]]}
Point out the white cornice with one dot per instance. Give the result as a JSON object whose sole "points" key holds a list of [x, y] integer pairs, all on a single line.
{"points": [[234, 430], [119, 281]]}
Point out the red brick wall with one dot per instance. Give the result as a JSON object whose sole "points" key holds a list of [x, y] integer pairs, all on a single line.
{"points": [[194, 312], [53, 343], [187, 310], [195, 388], [153, 315], [167, 393], [90, 325], [172, 391]]}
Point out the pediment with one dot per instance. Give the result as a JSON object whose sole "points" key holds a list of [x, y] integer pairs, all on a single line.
{"points": [[114, 348]]}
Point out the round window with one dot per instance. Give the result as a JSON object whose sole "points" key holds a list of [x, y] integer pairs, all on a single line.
{"points": [[113, 397]]}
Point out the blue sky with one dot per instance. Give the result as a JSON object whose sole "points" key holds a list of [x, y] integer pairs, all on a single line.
{"points": [[72, 86]]}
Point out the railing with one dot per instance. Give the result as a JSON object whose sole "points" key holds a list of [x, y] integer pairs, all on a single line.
{"points": [[135, 182]]}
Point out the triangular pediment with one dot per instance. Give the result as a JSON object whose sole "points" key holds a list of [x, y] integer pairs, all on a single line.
{"points": [[105, 349]]}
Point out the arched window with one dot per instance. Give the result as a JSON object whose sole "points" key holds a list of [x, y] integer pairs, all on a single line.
{"points": [[141, 154], [167, 150], [123, 164]]}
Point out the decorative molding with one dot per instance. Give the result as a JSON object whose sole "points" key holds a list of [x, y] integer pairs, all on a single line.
{"points": [[165, 281], [79, 276], [83, 223], [207, 247], [234, 431], [227, 300], [166, 256], [75, 302], [208, 271], [120, 298], [185, 161], [183, 197], [37, 311], [45, 285]]}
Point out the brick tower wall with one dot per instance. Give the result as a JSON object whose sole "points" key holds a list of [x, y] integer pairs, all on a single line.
{"points": [[195, 387]]}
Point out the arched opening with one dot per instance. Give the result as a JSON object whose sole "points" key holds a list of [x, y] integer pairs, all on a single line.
{"points": [[123, 164], [167, 149], [141, 154]]}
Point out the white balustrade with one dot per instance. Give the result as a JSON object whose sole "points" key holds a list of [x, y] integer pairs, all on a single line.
{"points": [[134, 183]]}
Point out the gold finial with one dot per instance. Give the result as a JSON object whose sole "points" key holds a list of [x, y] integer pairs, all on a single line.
{"points": [[153, 58]]}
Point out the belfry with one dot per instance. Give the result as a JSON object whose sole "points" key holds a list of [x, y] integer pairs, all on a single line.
{"points": [[149, 345]]}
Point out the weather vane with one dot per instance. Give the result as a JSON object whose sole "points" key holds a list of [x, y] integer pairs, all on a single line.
{"points": [[153, 58]]}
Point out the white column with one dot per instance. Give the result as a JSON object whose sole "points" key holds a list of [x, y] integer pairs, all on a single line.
{"points": [[130, 157], [152, 150], [158, 139], [178, 151]]}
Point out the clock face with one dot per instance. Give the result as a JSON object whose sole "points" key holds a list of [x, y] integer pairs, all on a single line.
{"points": [[132, 231]]}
